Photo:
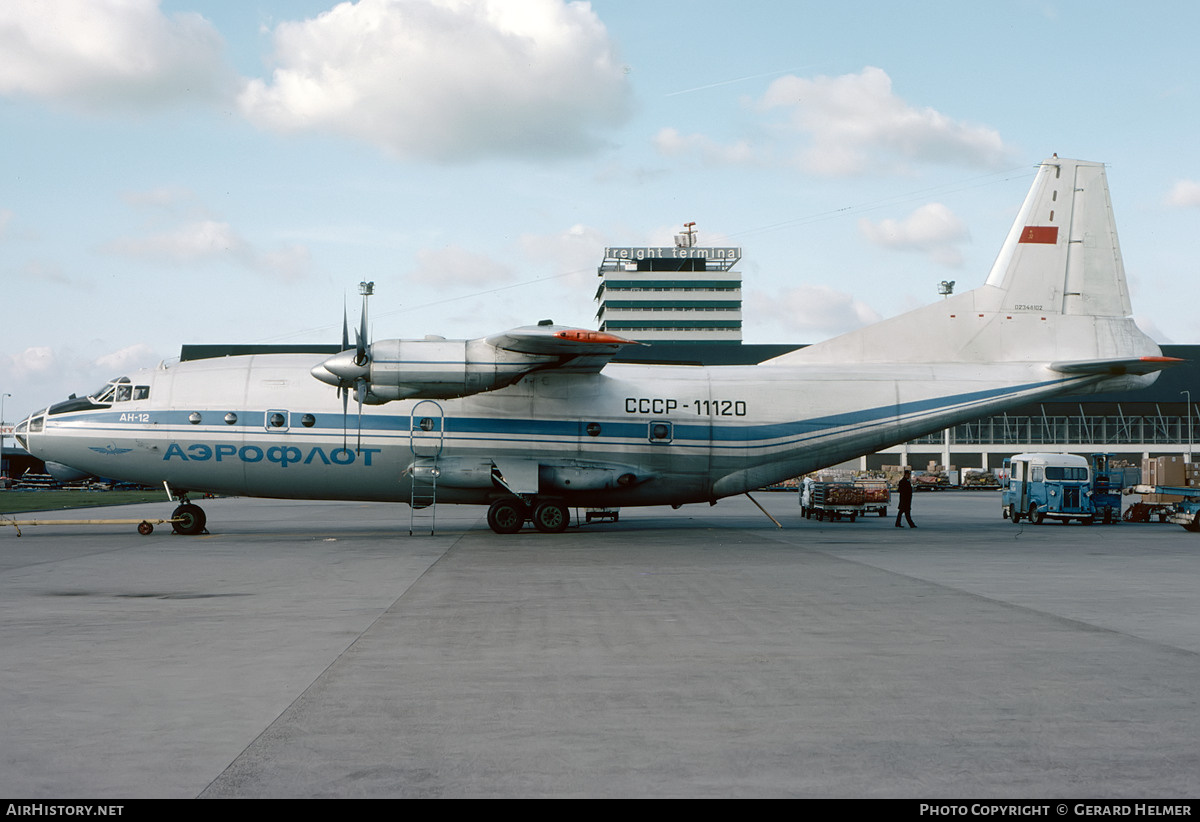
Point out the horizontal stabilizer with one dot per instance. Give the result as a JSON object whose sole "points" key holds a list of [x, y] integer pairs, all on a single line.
{"points": [[1116, 368]]}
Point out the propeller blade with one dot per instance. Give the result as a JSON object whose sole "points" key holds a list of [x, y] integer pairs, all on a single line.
{"points": [[344, 393], [345, 328], [350, 368], [360, 388]]}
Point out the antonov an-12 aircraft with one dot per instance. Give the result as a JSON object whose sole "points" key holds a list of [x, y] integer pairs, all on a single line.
{"points": [[536, 420]]}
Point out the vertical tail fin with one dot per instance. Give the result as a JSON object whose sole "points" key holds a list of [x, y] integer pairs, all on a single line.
{"points": [[1062, 255], [1056, 292]]}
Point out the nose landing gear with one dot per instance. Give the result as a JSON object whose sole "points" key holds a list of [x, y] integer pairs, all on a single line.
{"points": [[188, 520]]}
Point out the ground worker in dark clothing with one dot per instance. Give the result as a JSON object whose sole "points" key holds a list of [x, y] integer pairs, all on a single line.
{"points": [[905, 508]]}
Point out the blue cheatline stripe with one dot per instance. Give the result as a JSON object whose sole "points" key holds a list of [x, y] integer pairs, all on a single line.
{"points": [[712, 430]]}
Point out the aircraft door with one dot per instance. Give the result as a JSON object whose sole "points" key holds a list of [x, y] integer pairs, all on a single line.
{"points": [[426, 429]]}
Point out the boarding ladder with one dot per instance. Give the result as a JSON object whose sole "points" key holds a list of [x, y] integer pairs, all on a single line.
{"points": [[426, 438]]}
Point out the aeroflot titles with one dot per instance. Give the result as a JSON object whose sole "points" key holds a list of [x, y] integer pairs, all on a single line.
{"points": [[282, 455]]}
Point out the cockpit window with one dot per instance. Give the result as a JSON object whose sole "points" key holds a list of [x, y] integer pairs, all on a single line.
{"points": [[141, 392], [104, 396], [118, 390]]}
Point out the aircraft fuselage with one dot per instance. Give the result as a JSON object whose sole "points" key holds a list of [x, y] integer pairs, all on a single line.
{"points": [[631, 435]]}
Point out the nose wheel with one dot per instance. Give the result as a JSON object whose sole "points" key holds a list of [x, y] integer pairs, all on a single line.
{"points": [[188, 520]]}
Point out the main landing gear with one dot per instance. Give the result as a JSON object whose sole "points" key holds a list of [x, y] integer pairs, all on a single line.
{"points": [[508, 516]]}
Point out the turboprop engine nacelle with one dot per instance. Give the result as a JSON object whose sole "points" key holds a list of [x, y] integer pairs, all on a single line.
{"points": [[443, 369], [436, 369], [439, 369]]}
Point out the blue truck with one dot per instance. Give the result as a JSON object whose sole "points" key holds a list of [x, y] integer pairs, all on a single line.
{"points": [[1038, 487], [1108, 480]]}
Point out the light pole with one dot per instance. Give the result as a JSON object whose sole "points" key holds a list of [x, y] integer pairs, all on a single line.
{"points": [[2, 398]]}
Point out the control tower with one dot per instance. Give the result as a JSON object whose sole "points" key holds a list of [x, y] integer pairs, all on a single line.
{"points": [[682, 293]]}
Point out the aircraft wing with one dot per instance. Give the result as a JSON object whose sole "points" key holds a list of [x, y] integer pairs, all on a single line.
{"points": [[581, 349], [1116, 368]]}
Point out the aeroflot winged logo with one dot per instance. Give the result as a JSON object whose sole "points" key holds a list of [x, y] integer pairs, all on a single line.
{"points": [[110, 450], [281, 455]]}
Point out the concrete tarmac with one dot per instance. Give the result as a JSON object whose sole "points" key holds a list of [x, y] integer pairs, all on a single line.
{"points": [[316, 650]]}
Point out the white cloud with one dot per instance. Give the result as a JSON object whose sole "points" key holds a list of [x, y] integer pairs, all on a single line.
{"points": [[37, 271], [446, 80], [187, 243], [670, 143], [573, 255], [96, 54], [163, 198], [932, 229], [40, 375], [32, 362], [855, 123], [812, 311], [205, 240], [1185, 194], [127, 359], [453, 266]]}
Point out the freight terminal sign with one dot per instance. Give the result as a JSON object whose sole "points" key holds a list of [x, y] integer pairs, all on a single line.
{"points": [[729, 254]]}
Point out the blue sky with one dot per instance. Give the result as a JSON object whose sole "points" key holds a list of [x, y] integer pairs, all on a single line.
{"points": [[227, 172]]}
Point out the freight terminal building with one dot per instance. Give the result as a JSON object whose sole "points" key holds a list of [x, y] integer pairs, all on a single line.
{"points": [[680, 293]]}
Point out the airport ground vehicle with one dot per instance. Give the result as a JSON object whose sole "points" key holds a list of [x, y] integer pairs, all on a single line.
{"points": [[1107, 482], [1040, 486], [876, 496], [1185, 512], [832, 500]]}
